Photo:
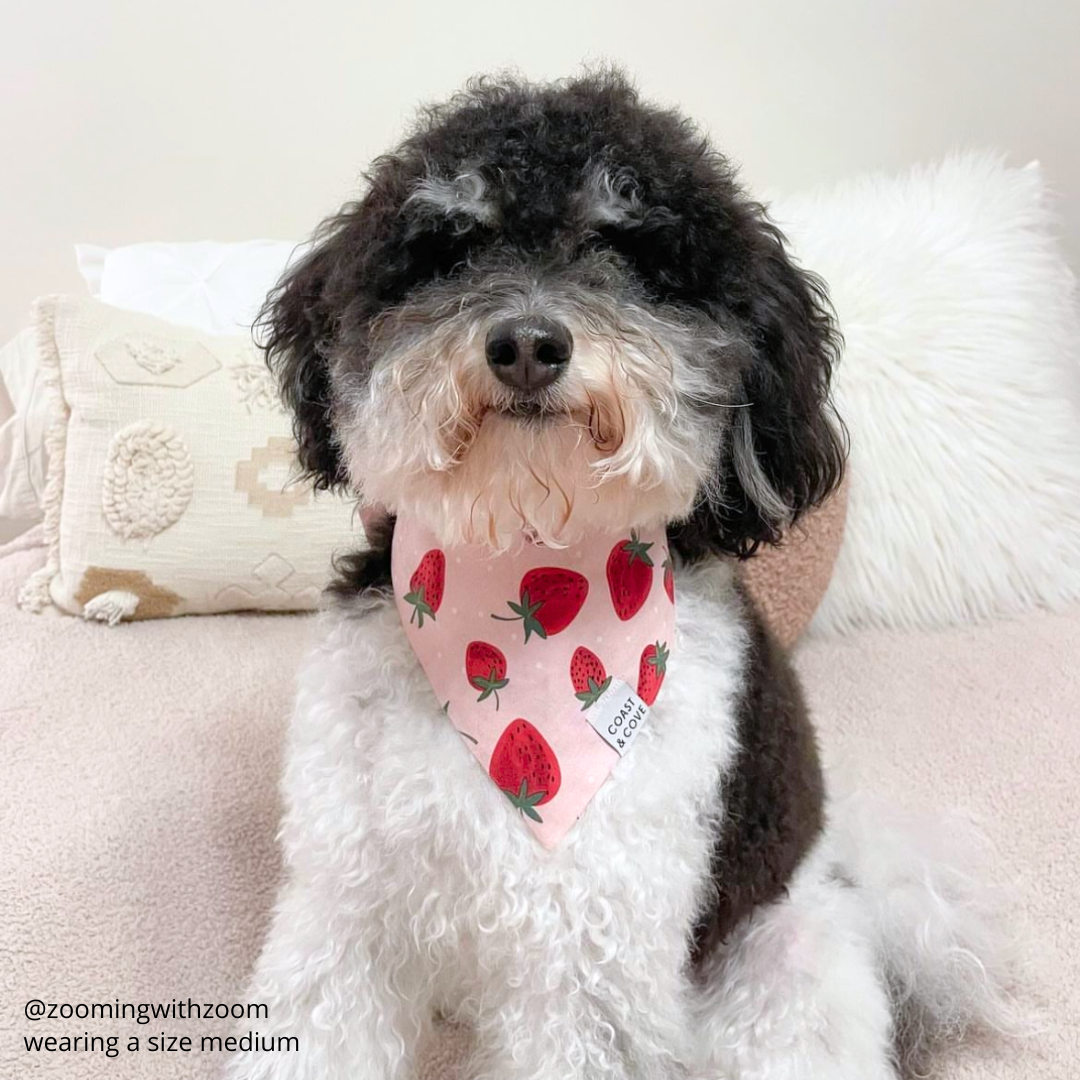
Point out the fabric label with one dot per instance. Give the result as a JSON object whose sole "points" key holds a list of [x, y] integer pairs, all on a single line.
{"points": [[618, 715]]}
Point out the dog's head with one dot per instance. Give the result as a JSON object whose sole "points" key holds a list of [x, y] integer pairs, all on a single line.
{"points": [[554, 308]]}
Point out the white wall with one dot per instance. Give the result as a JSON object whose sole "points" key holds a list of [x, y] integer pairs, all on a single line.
{"points": [[125, 120]]}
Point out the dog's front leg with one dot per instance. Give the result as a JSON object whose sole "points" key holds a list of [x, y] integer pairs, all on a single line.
{"points": [[655, 1030], [795, 992], [332, 983], [544, 1029], [339, 971], [540, 1033]]}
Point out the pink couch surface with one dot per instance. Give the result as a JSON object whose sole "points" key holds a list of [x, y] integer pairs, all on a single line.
{"points": [[139, 803]]}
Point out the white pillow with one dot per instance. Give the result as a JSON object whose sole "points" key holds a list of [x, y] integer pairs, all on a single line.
{"points": [[214, 287], [24, 417], [958, 385], [168, 489]]}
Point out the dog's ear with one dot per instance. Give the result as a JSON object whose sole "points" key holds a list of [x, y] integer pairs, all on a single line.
{"points": [[295, 328], [357, 260], [786, 446]]}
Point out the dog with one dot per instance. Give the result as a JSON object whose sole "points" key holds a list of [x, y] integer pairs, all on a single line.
{"points": [[554, 314]]}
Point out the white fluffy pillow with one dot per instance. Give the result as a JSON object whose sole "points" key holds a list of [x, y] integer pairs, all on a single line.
{"points": [[958, 385], [214, 287]]}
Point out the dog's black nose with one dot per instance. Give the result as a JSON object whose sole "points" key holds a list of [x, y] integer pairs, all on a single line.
{"points": [[528, 353]]}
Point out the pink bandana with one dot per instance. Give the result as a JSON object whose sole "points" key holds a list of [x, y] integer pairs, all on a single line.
{"points": [[546, 660]]}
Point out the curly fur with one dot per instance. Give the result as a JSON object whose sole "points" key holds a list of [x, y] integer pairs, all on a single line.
{"points": [[619, 219], [702, 918]]}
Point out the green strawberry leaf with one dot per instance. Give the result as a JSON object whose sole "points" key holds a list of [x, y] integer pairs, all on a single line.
{"points": [[526, 612], [660, 658], [420, 606], [489, 686], [636, 549], [592, 695], [524, 802]]}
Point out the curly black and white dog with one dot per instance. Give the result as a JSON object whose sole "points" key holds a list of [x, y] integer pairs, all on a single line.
{"points": [[554, 309]]}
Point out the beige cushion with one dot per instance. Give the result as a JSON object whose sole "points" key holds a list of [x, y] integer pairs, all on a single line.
{"points": [[169, 490], [787, 582]]}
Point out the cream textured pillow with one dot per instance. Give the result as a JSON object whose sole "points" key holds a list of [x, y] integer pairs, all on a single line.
{"points": [[169, 488]]}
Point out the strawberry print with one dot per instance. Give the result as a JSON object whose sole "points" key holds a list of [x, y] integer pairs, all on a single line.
{"points": [[651, 671], [588, 675], [629, 575], [485, 668], [669, 577], [549, 599], [426, 586], [525, 768], [600, 605]]}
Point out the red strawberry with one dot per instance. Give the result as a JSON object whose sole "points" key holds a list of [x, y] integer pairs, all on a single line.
{"points": [[651, 671], [588, 676], [485, 668], [629, 575], [669, 578], [525, 767], [549, 600], [427, 585]]}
